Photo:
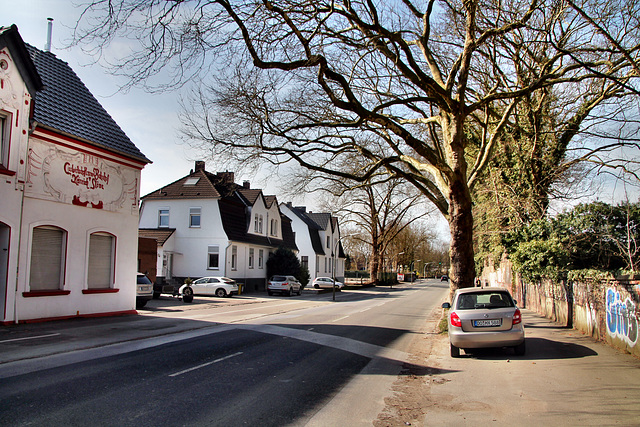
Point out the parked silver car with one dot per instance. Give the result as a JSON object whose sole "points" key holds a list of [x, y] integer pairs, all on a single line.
{"points": [[285, 285], [484, 317], [144, 290]]}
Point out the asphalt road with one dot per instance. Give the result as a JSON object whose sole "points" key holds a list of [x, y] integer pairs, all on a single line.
{"points": [[372, 357], [278, 362]]}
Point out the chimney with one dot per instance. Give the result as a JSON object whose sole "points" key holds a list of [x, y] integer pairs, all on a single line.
{"points": [[226, 177], [47, 46], [199, 165], [247, 185], [302, 209]]}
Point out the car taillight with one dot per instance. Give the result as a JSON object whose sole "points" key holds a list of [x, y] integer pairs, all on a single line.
{"points": [[455, 320], [517, 317]]}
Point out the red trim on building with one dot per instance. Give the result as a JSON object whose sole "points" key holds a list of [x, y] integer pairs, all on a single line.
{"points": [[126, 161], [50, 319], [44, 293], [101, 291], [4, 171]]}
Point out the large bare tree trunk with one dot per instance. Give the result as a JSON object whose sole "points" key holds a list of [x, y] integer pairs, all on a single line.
{"points": [[462, 271]]}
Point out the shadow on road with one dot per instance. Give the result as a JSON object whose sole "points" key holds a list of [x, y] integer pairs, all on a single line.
{"points": [[537, 349]]}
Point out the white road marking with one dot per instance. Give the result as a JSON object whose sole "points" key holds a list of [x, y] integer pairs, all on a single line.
{"points": [[29, 338], [205, 364]]}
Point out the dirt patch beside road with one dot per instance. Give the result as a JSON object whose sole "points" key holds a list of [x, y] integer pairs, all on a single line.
{"points": [[412, 390]]}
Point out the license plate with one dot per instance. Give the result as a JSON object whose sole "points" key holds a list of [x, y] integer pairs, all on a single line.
{"points": [[488, 322]]}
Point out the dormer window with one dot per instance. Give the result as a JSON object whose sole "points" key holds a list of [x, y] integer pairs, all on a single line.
{"points": [[260, 224], [274, 227]]}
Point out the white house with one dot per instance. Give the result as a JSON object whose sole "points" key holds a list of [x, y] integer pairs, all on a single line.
{"points": [[318, 240], [69, 193], [214, 227]]}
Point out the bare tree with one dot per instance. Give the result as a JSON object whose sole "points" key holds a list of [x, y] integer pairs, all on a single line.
{"points": [[377, 213], [420, 91]]}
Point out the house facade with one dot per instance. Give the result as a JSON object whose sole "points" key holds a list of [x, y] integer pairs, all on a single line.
{"points": [[215, 227], [318, 239], [69, 191]]}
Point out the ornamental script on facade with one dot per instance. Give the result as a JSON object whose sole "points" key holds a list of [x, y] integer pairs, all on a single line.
{"points": [[91, 179]]}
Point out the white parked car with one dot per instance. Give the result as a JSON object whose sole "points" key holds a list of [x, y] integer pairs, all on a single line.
{"points": [[326, 282], [285, 285], [144, 290], [218, 286]]}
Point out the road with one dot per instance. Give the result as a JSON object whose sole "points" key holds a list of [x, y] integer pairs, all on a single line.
{"points": [[281, 361], [372, 357]]}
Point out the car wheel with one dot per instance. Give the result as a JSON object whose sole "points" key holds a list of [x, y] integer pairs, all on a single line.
{"points": [[520, 349], [156, 295], [299, 291], [221, 293], [141, 304], [187, 294], [455, 351], [269, 293], [288, 292], [316, 286]]}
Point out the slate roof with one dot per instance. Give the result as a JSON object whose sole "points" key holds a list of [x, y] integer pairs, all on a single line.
{"points": [[161, 235], [10, 37], [66, 106], [235, 223]]}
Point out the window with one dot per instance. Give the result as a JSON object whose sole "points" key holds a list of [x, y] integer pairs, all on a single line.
{"points": [[260, 258], [234, 257], [260, 224], [101, 261], [214, 257], [251, 253], [48, 247], [194, 217], [317, 263], [304, 262], [255, 223], [325, 264], [329, 242], [163, 218], [274, 227], [5, 127]]}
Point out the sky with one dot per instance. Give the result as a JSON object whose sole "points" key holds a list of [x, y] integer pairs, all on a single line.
{"points": [[149, 120]]}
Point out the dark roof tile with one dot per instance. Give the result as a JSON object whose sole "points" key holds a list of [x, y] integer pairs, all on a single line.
{"points": [[66, 105]]}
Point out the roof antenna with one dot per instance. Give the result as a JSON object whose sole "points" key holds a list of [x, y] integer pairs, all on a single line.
{"points": [[47, 47]]}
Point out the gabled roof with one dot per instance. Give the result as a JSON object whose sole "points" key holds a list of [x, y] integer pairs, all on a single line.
{"points": [[66, 106], [196, 185], [250, 194], [322, 219], [10, 38], [312, 226], [161, 235], [235, 223]]}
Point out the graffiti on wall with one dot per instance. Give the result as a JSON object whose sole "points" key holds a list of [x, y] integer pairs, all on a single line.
{"points": [[622, 321]]}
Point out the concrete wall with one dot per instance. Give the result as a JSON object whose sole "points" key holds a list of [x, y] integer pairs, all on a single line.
{"points": [[607, 310]]}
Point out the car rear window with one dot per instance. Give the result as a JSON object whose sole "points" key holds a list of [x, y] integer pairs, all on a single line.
{"points": [[278, 279], [478, 300], [143, 280]]}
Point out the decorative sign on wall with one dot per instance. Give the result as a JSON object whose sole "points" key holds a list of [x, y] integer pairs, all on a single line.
{"points": [[78, 178]]}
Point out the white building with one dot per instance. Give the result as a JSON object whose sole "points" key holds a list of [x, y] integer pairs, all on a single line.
{"points": [[69, 193], [207, 225], [318, 241]]}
